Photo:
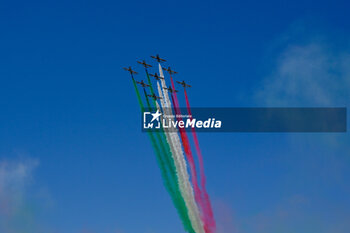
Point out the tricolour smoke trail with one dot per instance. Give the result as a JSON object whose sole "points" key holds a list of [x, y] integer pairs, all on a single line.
{"points": [[201, 169], [178, 166], [154, 101], [197, 192], [175, 195], [168, 164], [180, 162]]}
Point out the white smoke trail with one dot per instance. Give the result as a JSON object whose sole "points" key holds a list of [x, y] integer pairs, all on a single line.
{"points": [[180, 163]]}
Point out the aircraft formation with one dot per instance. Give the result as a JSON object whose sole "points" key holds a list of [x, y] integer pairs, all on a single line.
{"points": [[156, 76], [173, 149]]}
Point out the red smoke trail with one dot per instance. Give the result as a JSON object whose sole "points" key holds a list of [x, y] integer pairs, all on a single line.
{"points": [[206, 198], [197, 192]]}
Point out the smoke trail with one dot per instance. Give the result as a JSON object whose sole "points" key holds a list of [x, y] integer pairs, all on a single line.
{"points": [[197, 192], [189, 155], [180, 208], [201, 167], [168, 164], [163, 137], [180, 162]]}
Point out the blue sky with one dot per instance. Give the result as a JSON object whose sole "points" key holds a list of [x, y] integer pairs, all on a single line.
{"points": [[73, 158]]}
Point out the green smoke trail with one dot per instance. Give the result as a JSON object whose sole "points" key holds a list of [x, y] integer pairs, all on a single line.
{"points": [[161, 137], [172, 188]]}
